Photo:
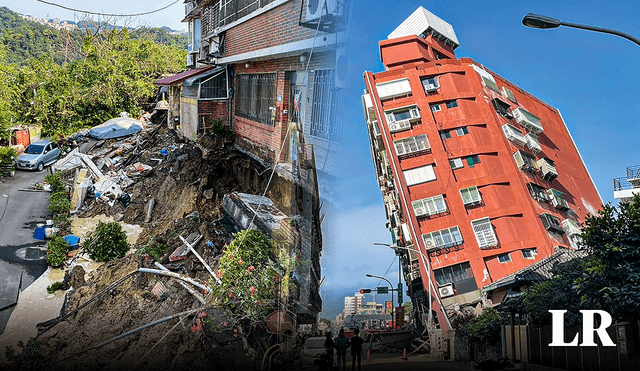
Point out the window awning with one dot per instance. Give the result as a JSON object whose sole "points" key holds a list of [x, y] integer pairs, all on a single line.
{"points": [[191, 81], [180, 77]]}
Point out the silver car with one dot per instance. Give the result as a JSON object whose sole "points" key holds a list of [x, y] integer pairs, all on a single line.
{"points": [[38, 155]]}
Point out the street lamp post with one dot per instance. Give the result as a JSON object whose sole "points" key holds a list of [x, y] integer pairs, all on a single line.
{"points": [[540, 21], [390, 289]]}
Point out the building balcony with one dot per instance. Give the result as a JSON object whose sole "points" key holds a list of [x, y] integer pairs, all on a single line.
{"points": [[624, 190]]}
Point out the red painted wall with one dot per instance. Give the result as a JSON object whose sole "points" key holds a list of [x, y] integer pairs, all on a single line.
{"points": [[514, 214]]}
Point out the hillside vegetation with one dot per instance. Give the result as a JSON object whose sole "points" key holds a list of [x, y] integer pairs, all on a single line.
{"points": [[108, 72]]}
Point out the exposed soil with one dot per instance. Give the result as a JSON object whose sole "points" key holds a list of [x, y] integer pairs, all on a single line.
{"points": [[189, 179]]}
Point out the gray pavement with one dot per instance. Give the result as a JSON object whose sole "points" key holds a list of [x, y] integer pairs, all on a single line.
{"points": [[394, 362], [20, 212]]}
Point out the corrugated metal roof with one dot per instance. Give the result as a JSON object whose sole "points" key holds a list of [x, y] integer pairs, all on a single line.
{"points": [[539, 271], [180, 77]]}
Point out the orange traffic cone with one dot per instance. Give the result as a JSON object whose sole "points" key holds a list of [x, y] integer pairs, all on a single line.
{"points": [[369, 355], [404, 355]]}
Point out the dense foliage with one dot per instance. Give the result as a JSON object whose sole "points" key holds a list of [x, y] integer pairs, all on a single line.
{"points": [[57, 249], [107, 242], [607, 279], [483, 328], [112, 72], [255, 276]]}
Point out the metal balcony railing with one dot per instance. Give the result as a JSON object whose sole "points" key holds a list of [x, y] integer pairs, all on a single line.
{"points": [[621, 184], [633, 172]]}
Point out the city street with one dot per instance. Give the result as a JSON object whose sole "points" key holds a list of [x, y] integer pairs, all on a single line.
{"points": [[19, 256], [385, 362]]}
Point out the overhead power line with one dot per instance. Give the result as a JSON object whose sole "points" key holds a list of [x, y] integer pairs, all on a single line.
{"points": [[106, 14]]}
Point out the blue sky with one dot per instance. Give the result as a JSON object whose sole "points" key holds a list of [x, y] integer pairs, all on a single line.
{"points": [[593, 79]]}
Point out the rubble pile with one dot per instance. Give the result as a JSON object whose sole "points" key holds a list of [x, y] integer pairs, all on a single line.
{"points": [[174, 188]]}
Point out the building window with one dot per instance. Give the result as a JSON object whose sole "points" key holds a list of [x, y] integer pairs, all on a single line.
{"points": [[435, 107], [430, 84], [452, 104], [504, 258], [473, 160], [525, 161], [419, 175], [443, 238], [470, 196], [529, 253], [445, 134], [502, 108], [214, 87], [460, 275], [391, 89], [407, 113], [509, 94], [557, 199], [462, 131], [456, 163], [429, 206], [551, 223], [484, 232], [412, 144], [537, 192], [326, 106], [256, 97], [491, 84]]}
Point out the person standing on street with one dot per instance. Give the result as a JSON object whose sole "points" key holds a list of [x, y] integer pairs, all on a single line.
{"points": [[356, 349], [342, 343], [329, 345]]}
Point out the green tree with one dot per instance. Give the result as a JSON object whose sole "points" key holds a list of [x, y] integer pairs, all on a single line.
{"points": [[107, 242], [611, 280]]}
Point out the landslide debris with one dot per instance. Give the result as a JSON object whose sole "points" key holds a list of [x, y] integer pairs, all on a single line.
{"points": [[187, 182]]}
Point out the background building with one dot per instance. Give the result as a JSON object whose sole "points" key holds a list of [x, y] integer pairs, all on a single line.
{"points": [[479, 176]]}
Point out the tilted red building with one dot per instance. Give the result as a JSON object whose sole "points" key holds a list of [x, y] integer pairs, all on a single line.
{"points": [[479, 177]]}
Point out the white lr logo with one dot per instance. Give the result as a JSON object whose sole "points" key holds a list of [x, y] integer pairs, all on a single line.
{"points": [[588, 329]]}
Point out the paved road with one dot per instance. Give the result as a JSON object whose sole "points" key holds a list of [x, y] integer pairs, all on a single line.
{"points": [[414, 363], [19, 214]]}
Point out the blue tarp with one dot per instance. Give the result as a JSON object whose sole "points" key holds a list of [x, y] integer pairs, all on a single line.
{"points": [[72, 241], [116, 128]]}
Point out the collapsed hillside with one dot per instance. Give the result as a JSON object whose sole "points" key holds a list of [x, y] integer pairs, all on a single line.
{"points": [[187, 183]]}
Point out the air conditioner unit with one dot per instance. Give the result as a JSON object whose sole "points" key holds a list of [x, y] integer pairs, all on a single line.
{"points": [[430, 245], [446, 291], [401, 125], [415, 113], [421, 211], [317, 9], [430, 87], [342, 68], [571, 227], [215, 46], [191, 60]]}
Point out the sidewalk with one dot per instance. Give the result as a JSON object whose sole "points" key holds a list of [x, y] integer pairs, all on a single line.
{"points": [[34, 306]]}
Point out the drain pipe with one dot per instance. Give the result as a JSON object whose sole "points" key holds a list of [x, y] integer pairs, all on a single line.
{"points": [[191, 291], [175, 275]]}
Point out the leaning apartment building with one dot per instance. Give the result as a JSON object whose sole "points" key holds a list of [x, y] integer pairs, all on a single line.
{"points": [[479, 178], [273, 71]]}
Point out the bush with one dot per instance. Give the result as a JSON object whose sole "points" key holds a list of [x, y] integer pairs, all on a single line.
{"points": [[55, 286], [110, 242], [59, 202], [7, 154], [57, 249], [255, 275], [56, 184], [485, 327]]}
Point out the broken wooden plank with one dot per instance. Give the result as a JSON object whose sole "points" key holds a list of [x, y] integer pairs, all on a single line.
{"points": [[181, 252], [149, 210], [200, 258]]}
